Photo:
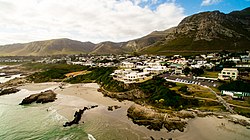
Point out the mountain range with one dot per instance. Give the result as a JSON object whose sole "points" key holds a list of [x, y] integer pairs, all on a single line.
{"points": [[202, 32]]}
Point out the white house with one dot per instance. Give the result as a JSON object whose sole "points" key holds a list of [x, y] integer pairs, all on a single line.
{"points": [[153, 64], [178, 70], [235, 94], [156, 69], [228, 73], [127, 65], [129, 76]]}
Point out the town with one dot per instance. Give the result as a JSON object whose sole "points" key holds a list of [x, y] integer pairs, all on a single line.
{"points": [[205, 69]]}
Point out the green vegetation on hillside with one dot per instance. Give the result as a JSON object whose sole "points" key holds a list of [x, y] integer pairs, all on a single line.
{"points": [[102, 76], [51, 71], [239, 86], [161, 96]]}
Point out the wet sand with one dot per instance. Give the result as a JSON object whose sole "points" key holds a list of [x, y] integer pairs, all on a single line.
{"points": [[105, 125]]}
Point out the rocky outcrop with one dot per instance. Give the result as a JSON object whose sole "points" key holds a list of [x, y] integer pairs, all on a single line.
{"points": [[14, 82], [43, 97], [240, 121], [132, 95], [155, 120], [78, 116], [8, 91]]}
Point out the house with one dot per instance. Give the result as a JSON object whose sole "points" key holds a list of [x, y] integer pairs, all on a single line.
{"points": [[178, 71], [127, 65], [235, 94], [152, 64], [129, 76], [246, 60], [156, 69], [228, 73]]}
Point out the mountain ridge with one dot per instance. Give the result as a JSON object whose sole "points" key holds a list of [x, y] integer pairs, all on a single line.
{"points": [[205, 31]]}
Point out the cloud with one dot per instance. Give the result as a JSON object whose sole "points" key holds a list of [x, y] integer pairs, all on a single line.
{"points": [[209, 2], [85, 20]]}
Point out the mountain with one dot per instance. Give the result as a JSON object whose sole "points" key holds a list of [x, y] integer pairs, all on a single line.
{"points": [[47, 47], [202, 32], [108, 48], [206, 31]]}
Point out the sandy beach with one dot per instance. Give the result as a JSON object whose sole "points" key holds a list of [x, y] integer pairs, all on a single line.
{"points": [[104, 124]]}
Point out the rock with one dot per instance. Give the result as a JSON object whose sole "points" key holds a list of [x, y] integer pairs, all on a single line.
{"points": [[155, 120], [43, 97], [117, 107], [9, 91], [239, 121], [132, 95], [185, 114], [78, 116], [99, 90], [110, 108], [152, 138], [14, 83], [114, 107], [173, 125]]}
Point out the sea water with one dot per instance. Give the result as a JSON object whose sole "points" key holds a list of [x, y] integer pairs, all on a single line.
{"points": [[35, 121]]}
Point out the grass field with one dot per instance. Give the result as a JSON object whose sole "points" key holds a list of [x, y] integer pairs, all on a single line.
{"points": [[210, 74], [242, 111], [200, 91]]}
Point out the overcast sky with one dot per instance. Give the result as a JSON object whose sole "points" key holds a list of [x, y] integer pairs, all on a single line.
{"points": [[97, 20]]}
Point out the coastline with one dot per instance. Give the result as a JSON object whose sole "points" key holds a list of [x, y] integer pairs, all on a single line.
{"points": [[101, 122]]}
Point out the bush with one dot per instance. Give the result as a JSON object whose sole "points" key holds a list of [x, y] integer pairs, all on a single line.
{"points": [[157, 91], [239, 86]]}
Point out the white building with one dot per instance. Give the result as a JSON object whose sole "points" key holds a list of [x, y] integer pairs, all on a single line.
{"points": [[129, 76], [228, 73], [127, 65], [235, 94], [156, 69]]}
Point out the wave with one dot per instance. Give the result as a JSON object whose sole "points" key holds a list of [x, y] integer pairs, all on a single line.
{"points": [[91, 137]]}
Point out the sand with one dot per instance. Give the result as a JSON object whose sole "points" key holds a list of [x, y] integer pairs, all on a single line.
{"points": [[115, 124]]}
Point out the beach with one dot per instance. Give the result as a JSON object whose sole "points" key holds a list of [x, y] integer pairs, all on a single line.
{"points": [[104, 124]]}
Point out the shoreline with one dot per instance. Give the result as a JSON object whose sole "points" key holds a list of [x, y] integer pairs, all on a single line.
{"points": [[75, 96]]}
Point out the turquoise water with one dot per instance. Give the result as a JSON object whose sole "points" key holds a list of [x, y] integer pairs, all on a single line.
{"points": [[34, 122]]}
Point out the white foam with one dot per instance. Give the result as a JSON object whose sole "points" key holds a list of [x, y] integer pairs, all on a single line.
{"points": [[91, 137], [3, 79]]}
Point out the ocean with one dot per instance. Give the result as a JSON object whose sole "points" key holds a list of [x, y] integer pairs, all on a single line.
{"points": [[34, 122]]}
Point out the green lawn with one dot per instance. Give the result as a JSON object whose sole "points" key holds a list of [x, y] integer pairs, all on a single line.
{"points": [[210, 74], [240, 103]]}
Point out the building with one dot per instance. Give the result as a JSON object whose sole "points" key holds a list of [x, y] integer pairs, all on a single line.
{"points": [[228, 73], [235, 94], [129, 76], [156, 69], [128, 65]]}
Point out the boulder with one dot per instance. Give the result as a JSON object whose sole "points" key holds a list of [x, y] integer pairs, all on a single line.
{"points": [[43, 97], [9, 91], [155, 120]]}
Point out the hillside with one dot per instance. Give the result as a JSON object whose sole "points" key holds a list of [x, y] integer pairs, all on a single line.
{"points": [[47, 47], [108, 48], [207, 31]]}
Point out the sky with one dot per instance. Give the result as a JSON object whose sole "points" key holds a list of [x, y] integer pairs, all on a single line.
{"points": [[24, 21]]}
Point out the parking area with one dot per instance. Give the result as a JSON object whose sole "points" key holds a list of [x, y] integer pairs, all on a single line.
{"points": [[190, 80]]}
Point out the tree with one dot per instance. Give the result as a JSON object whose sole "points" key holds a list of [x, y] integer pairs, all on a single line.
{"points": [[197, 71], [186, 71]]}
